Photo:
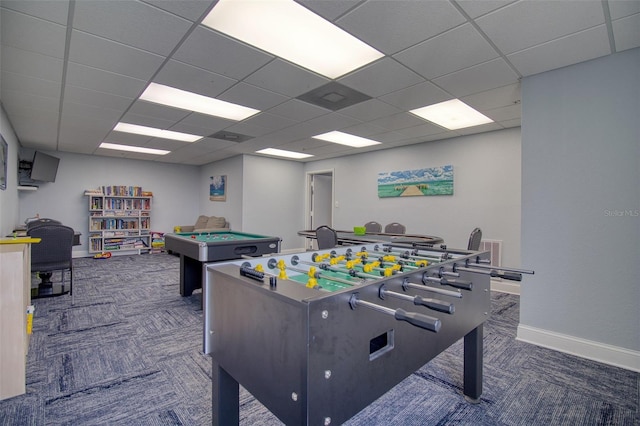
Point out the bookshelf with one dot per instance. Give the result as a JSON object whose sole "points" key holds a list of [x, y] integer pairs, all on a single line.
{"points": [[119, 219]]}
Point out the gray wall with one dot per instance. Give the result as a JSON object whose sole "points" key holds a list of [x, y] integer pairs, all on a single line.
{"points": [[581, 201], [175, 201], [9, 197], [486, 171]]}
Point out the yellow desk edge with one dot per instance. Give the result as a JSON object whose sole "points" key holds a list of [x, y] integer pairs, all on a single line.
{"points": [[20, 240]]}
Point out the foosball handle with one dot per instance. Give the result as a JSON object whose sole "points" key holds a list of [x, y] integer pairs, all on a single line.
{"points": [[513, 276], [464, 285], [419, 320], [435, 304]]}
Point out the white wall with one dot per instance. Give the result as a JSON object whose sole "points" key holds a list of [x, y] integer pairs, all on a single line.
{"points": [[231, 209], [486, 190], [273, 199], [581, 208], [9, 197], [175, 190]]}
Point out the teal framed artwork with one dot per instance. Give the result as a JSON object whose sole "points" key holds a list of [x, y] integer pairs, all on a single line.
{"points": [[419, 182]]}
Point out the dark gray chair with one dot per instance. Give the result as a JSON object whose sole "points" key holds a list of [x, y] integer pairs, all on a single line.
{"points": [[395, 228], [52, 253], [474, 239], [327, 237], [373, 227]]}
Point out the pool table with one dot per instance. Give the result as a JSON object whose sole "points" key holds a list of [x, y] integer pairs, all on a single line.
{"points": [[197, 248]]}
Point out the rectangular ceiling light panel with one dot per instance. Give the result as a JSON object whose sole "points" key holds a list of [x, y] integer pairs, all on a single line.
{"points": [[129, 148], [346, 139], [156, 133], [170, 96], [452, 115], [283, 153], [288, 30]]}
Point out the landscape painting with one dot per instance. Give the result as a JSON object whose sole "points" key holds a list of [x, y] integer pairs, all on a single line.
{"points": [[420, 182]]}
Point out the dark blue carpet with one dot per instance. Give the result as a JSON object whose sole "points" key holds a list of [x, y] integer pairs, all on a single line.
{"points": [[128, 351]]}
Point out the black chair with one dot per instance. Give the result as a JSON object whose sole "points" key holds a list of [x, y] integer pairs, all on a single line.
{"points": [[395, 228], [327, 237], [373, 227], [52, 253], [474, 239]]}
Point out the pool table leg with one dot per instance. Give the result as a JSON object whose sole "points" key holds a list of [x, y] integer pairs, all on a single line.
{"points": [[190, 275]]}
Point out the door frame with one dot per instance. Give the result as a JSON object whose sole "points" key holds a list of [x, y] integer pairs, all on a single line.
{"points": [[308, 194]]}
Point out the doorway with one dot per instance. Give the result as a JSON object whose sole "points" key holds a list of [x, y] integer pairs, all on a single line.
{"points": [[319, 195]]}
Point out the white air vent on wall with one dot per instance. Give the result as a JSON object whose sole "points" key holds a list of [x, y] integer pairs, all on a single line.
{"points": [[495, 248]]}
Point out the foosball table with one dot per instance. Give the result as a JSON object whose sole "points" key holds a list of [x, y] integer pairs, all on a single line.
{"points": [[317, 337]]}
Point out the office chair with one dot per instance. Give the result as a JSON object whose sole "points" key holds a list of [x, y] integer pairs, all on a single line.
{"points": [[474, 239], [373, 227], [395, 228], [327, 237], [52, 253]]}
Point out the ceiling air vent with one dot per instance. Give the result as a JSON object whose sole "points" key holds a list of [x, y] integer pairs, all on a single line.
{"points": [[334, 96], [230, 136]]}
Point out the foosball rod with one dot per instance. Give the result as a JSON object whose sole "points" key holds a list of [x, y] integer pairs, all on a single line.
{"points": [[406, 284], [493, 272], [435, 304], [409, 254], [501, 268], [413, 318]]}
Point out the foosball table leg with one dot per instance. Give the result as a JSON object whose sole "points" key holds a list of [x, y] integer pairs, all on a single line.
{"points": [[473, 365], [226, 397]]}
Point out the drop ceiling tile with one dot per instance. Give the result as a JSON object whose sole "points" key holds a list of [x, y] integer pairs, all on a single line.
{"points": [[285, 78], [398, 121], [90, 113], [363, 129], [192, 130], [390, 28], [104, 100], [55, 11], [475, 8], [495, 98], [250, 129], [43, 132], [421, 130], [162, 112], [577, 47], [528, 23], [145, 120], [507, 124], [193, 10], [207, 121], [123, 138], [329, 10], [620, 9], [32, 34], [32, 64], [159, 34], [24, 101], [298, 110], [21, 83], [187, 77], [489, 75], [166, 144], [373, 80], [416, 96], [270, 121], [100, 53], [370, 110], [479, 129], [215, 52], [626, 32], [103, 81], [252, 96], [459, 48], [504, 113]]}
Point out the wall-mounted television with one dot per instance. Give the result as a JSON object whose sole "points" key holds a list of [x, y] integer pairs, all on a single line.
{"points": [[44, 167]]}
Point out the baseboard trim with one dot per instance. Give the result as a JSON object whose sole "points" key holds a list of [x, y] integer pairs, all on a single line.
{"points": [[505, 287], [589, 349]]}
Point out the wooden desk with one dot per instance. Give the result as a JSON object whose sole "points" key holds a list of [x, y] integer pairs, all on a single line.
{"points": [[15, 296]]}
